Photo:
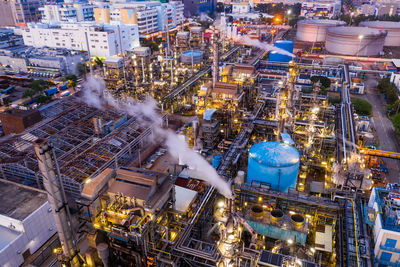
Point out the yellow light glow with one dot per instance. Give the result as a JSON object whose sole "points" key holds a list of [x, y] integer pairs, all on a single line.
{"points": [[260, 199]]}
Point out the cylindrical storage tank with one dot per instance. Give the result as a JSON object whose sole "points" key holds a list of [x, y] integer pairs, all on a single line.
{"points": [[355, 41], [273, 163], [276, 216], [188, 55], [216, 160], [392, 28], [297, 220], [257, 212], [314, 30]]}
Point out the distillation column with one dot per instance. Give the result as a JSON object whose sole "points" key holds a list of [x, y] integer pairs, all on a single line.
{"points": [[215, 59], [57, 199]]}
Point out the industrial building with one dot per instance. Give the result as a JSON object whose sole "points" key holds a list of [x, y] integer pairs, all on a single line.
{"points": [[384, 216], [392, 28], [86, 140], [97, 39], [329, 9], [16, 120], [44, 61], [355, 41], [27, 222], [314, 30]]}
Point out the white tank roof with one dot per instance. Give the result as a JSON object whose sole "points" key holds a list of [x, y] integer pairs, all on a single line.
{"points": [[322, 22], [381, 24], [356, 31]]}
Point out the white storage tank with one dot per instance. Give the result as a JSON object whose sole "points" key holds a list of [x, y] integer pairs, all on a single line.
{"points": [[392, 27], [314, 30], [355, 41]]}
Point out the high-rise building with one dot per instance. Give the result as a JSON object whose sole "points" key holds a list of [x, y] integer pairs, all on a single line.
{"points": [[19, 12], [98, 39], [150, 16], [195, 8], [65, 12]]}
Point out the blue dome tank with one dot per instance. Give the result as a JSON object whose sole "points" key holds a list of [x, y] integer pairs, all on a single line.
{"points": [[273, 163]]}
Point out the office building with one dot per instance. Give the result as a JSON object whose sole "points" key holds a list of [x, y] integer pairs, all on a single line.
{"points": [[19, 12], [150, 16], [65, 12], [99, 39]]}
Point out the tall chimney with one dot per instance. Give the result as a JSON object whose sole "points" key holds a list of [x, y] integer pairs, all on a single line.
{"points": [[215, 59], [57, 199]]}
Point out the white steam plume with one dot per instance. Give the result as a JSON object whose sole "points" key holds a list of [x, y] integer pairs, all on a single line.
{"points": [[265, 46], [94, 94]]}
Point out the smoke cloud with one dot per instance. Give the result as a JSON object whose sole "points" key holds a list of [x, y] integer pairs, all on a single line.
{"points": [[94, 94], [265, 46]]}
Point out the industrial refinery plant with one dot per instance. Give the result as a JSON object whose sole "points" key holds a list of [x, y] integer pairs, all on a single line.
{"points": [[219, 141]]}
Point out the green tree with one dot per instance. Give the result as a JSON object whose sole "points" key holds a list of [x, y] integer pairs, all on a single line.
{"points": [[38, 86], [362, 107], [98, 62], [383, 84], [42, 99], [82, 69], [392, 94], [394, 108], [396, 122], [28, 93], [325, 81], [72, 79]]}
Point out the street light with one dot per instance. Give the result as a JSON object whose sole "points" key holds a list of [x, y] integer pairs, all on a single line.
{"points": [[360, 37]]}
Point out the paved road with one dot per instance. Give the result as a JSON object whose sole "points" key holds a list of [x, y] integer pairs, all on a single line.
{"points": [[383, 126]]}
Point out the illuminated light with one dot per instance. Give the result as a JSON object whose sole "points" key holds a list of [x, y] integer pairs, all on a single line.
{"points": [[245, 204], [88, 181], [290, 241], [298, 262], [221, 204], [312, 250], [260, 199], [292, 212]]}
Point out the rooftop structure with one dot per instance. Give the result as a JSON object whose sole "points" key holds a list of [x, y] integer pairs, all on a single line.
{"points": [[384, 213], [42, 59], [82, 149], [17, 120], [26, 222]]}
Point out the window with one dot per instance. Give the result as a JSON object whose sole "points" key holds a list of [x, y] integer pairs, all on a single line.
{"points": [[390, 243], [386, 256]]}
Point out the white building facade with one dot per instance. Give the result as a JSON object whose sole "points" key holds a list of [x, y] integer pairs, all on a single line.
{"points": [[327, 9], [25, 224], [98, 39], [74, 12], [386, 227]]}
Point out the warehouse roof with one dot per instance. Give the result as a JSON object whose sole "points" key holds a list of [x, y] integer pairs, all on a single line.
{"points": [[19, 201]]}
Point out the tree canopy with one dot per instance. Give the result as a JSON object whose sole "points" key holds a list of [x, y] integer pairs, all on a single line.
{"points": [[325, 81], [362, 107], [396, 122]]}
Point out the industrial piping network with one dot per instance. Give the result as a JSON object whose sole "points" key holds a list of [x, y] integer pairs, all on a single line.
{"points": [[229, 156], [197, 76]]}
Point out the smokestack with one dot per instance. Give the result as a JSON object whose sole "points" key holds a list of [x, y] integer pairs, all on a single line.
{"points": [[215, 59], [98, 126], [56, 197]]}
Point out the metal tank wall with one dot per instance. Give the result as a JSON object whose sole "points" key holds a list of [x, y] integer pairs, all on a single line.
{"points": [[273, 163], [314, 30], [392, 27], [348, 41], [186, 57]]}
